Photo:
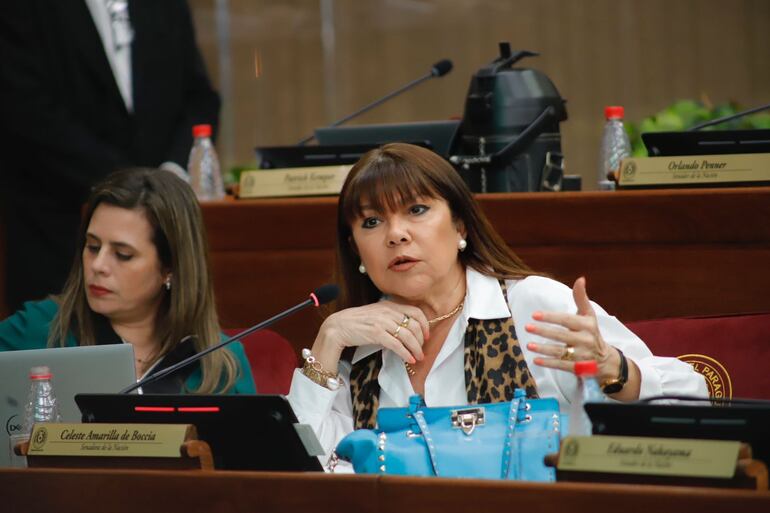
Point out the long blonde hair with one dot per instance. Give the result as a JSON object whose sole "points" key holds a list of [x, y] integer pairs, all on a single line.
{"points": [[188, 308]]}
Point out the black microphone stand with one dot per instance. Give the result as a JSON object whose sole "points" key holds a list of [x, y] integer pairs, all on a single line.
{"points": [[728, 118], [371, 105], [438, 70], [197, 356]]}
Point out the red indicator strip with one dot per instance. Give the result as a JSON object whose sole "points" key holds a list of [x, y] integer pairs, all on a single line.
{"points": [[181, 409]]}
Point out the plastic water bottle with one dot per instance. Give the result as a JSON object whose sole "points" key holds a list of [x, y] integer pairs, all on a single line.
{"points": [[203, 166], [41, 407], [41, 402], [615, 146], [587, 391]]}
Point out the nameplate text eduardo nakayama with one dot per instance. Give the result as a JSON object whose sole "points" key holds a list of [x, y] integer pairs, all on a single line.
{"points": [[650, 456]]}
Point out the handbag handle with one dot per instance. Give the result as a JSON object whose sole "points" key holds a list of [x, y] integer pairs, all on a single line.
{"points": [[420, 418], [516, 414]]}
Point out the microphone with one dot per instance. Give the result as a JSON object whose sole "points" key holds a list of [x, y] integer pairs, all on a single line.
{"points": [[320, 296], [439, 69], [729, 118]]}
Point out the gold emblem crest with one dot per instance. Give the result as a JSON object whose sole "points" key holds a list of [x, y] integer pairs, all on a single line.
{"points": [[629, 170], [717, 377], [40, 437]]}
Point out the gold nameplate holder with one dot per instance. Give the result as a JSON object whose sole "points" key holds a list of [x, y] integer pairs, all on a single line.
{"points": [[694, 171], [166, 446], [296, 181], [663, 461]]}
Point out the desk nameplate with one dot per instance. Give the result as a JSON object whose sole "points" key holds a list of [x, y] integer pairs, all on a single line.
{"points": [[109, 440], [296, 181], [693, 170], [649, 456]]}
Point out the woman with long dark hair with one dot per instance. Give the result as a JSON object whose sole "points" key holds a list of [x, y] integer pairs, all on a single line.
{"points": [[434, 302]]}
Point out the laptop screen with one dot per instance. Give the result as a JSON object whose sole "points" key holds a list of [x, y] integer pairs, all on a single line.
{"points": [[75, 370]]}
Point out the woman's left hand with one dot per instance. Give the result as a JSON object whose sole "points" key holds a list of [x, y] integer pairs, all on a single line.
{"points": [[581, 340]]}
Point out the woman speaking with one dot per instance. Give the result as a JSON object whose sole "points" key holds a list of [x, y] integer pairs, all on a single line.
{"points": [[434, 302]]}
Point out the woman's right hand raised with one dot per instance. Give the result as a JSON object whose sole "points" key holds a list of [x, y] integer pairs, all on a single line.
{"points": [[400, 328]]}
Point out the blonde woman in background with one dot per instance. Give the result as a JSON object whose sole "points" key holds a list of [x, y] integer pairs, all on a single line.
{"points": [[142, 278]]}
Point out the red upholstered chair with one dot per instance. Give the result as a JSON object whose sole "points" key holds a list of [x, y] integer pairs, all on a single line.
{"points": [[732, 352], [272, 360]]}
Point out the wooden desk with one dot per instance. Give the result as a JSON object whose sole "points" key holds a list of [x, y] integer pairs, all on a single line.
{"points": [[86, 491], [646, 254]]}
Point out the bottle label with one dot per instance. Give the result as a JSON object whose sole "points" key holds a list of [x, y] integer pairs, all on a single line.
{"points": [[649, 456], [133, 440]]}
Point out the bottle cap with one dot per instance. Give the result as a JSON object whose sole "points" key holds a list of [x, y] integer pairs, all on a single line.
{"points": [[586, 368], [201, 131], [40, 372], [614, 112]]}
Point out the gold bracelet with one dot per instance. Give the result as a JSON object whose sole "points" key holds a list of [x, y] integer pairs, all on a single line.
{"points": [[314, 371]]}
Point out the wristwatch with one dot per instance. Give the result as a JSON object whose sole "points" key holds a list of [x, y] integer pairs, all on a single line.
{"points": [[615, 385]]}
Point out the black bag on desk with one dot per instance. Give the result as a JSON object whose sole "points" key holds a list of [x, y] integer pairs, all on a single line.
{"points": [[509, 138]]}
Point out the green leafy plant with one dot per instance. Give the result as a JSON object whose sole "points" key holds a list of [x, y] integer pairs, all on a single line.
{"points": [[233, 175], [684, 114]]}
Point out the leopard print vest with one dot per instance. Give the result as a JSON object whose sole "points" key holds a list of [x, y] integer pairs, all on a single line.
{"points": [[494, 367]]}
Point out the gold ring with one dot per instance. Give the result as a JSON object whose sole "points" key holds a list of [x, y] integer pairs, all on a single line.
{"points": [[568, 354], [405, 322], [395, 333]]}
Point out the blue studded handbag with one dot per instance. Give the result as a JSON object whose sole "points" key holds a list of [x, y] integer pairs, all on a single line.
{"points": [[506, 440]]}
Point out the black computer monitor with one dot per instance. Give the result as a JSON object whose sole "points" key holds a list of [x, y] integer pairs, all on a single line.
{"points": [[436, 135], [706, 142], [276, 157], [746, 422], [245, 432]]}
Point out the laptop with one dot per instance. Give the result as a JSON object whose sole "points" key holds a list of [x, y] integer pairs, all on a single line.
{"points": [[245, 432], [436, 135], [743, 420], [104, 368]]}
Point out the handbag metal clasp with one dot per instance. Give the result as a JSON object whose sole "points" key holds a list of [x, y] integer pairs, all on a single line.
{"points": [[468, 419]]}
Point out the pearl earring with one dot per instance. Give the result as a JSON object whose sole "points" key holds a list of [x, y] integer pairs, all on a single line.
{"points": [[462, 244], [361, 268], [168, 283]]}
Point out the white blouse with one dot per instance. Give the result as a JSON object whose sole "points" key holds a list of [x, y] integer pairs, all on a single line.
{"points": [[330, 413]]}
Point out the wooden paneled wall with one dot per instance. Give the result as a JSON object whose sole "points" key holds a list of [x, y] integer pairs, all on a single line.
{"points": [[645, 254], [640, 54]]}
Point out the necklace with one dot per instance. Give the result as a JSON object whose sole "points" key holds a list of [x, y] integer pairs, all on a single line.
{"points": [[446, 316], [409, 370], [138, 360]]}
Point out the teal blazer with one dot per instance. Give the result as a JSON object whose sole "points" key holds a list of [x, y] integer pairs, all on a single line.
{"points": [[29, 327]]}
